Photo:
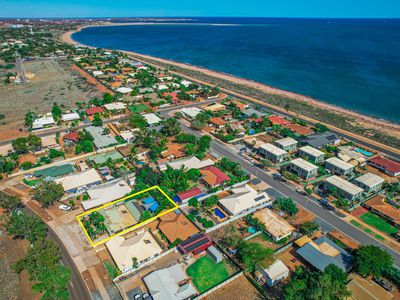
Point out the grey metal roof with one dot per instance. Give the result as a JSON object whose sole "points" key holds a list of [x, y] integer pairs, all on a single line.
{"points": [[318, 140], [249, 112], [101, 140], [320, 260]]}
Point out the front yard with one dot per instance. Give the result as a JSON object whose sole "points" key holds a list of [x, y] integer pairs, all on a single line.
{"points": [[206, 273], [378, 223]]}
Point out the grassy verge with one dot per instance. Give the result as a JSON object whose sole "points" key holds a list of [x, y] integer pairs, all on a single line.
{"points": [[378, 223]]}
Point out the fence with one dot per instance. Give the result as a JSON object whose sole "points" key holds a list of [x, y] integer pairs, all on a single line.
{"points": [[230, 279]]}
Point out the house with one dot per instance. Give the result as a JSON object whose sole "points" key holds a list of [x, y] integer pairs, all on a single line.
{"points": [[370, 182], [106, 193], [50, 142], [215, 254], [319, 140], [45, 121], [213, 177], [311, 153], [253, 112], [187, 163], [104, 157], [240, 105], [118, 106], [277, 120], [141, 246], [303, 168], [174, 150], [389, 212], [196, 244], [215, 107], [271, 152], [172, 95], [277, 227], [191, 112], [273, 274], [175, 226], [70, 117], [152, 119], [288, 144], [72, 137], [338, 166], [77, 181], [150, 204], [94, 110], [55, 171], [217, 122], [344, 188], [186, 83], [100, 139], [390, 167], [170, 283], [124, 90], [243, 198], [322, 252], [187, 195]]}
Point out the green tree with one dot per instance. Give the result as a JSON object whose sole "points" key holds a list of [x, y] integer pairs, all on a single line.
{"points": [[171, 127], [34, 142], [287, 205], [97, 121], [56, 111], [193, 174], [251, 254], [308, 227], [190, 148], [204, 143], [137, 121], [8, 202], [320, 127], [372, 260], [19, 145], [193, 202], [54, 153], [47, 193], [145, 215], [134, 262], [26, 226], [107, 98]]}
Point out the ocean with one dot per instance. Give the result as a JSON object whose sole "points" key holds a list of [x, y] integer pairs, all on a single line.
{"points": [[351, 63]]}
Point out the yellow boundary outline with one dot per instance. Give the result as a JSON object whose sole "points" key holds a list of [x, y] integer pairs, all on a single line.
{"points": [[78, 217]]}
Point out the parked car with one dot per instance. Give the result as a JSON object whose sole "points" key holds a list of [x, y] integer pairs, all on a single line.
{"points": [[301, 191], [64, 207], [28, 176], [325, 203]]}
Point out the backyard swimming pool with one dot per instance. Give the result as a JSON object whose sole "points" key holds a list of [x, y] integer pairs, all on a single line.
{"points": [[252, 230], [364, 152], [219, 213]]}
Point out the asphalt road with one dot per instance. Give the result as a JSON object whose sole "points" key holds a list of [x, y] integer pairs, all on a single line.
{"points": [[76, 286], [306, 202]]}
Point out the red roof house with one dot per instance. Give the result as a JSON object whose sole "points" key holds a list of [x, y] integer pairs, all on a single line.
{"points": [[72, 136], [189, 194], [389, 166], [196, 244], [276, 120], [217, 122], [94, 110], [174, 95], [212, 176]]}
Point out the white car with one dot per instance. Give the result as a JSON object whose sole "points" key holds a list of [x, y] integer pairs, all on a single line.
{"points": [[64, 207], [28, 176]]}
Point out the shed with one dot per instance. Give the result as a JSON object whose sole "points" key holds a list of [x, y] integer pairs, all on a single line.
{"points": [[215, 254]]}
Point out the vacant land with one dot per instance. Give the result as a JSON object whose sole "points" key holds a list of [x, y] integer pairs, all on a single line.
{"points": [[54, 81], [206, 273], [378, 223]]}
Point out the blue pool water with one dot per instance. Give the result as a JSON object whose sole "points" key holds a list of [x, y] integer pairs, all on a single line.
{"points": [[219, 213], [353, 63], [252, 230], [364, 152]]}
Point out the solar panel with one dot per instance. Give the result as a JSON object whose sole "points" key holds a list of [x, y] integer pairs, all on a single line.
{"points": [[191, 239], [196, 245]]}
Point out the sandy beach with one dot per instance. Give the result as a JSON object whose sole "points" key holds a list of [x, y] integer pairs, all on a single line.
{"points": [[368, 122]]}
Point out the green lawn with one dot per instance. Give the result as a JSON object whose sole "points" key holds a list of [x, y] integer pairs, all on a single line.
{"points": [[206, 273], [138, 108], [378, 223]]}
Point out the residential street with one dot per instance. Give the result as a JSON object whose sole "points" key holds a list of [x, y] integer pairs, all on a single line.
{"points": [[310, 204]]}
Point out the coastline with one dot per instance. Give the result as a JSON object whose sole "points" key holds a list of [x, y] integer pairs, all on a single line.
{"points": [[369, 122]]}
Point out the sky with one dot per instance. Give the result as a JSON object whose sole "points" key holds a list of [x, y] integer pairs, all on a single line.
{"points": [[206, 8]]}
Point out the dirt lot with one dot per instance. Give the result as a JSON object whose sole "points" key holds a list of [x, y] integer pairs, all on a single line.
{"points": [[54, 81], [238, 289]]}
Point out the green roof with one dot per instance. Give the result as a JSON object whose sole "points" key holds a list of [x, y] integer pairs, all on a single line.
{"points": [[102, 158], [55, 171]]}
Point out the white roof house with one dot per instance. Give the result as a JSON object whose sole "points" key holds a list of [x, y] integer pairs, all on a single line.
{"points": [[304, 165], [349, 189], [152, 119], [186, 83], [191, 112], [278, 227], [268, 147], [143, 246], [97, 73], [101, 140], [166, 284], [115, 105], [243, 198], [77, 180], [106, 193], [286, 143], [339, 164], [275, 273], [41, 122], [368, 181], [314, 152], [187, 163], [124, 90], [70, 117], [162, 87]]}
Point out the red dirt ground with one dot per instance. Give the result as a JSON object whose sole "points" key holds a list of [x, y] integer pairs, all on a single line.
{"points": [[359, 211]]}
